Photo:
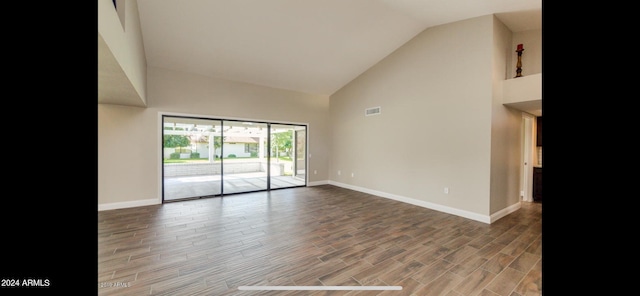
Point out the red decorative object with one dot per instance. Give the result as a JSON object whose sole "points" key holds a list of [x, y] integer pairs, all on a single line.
{"points": [[520, 47]]}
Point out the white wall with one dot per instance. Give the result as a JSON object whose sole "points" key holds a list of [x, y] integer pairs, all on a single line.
{"points": [[506, 132], [235, 148], [129, 137], [125, 43], [127, 150], [435, 128]]}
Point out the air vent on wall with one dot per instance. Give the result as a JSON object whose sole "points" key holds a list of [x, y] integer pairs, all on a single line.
{"points": [[372, 111]]}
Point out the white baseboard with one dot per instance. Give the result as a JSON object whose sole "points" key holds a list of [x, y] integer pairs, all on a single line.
{"points": [[506, 211], [154, 201], [318, 183], [420, 203], [128, 204]]}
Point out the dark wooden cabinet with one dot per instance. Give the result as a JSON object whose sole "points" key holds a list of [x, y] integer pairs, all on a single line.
{"points": [[537, 184], [539, 131]]}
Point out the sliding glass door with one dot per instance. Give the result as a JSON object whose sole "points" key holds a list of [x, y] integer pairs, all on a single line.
{"points": [[244, 156], [287, 155], [212, 157], [300, 165], [190, 165]]}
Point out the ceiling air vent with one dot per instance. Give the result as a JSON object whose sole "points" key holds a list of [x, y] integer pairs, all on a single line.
{"points": [[372, 111]]}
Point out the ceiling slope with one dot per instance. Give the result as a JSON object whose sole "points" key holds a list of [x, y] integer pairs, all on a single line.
{"points": [[314, 46]]}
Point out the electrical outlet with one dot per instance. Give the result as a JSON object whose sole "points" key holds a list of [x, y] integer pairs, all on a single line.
{"points": [[446, 190], [339, 172], [352, 175], [315, 172]]}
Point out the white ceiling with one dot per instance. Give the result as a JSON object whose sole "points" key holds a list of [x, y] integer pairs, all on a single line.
{"points": [[311, 46]]}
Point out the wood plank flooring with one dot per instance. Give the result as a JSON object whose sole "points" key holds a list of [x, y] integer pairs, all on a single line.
{"points": [[315, 236]]}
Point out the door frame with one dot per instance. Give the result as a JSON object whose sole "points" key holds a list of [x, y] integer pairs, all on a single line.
{"points": [[159, 133], [296, 133], [526, 182]]}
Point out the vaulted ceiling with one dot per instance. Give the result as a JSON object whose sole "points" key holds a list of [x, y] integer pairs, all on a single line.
{"points": [[312, 46]]}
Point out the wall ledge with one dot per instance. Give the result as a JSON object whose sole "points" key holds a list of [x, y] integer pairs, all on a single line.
{"points": [[522, 89]]}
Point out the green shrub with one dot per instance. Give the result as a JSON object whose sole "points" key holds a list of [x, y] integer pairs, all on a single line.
{"points": [[174, 155], [195, 155], [231, 156]]}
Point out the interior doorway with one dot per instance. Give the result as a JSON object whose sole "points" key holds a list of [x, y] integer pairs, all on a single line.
{"points": [[527, 157]]}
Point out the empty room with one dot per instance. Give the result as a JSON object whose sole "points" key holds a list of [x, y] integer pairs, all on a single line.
{"points": [[323, 147]]}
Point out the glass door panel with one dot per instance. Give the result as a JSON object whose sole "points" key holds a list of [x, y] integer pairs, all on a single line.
{"points": [[300, 166], [285, 149], [190, 167], [244, 156]]}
